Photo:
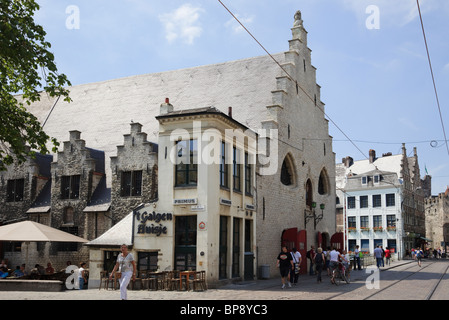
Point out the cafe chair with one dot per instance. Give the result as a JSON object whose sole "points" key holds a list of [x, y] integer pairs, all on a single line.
{"points": [[104, 280], [199, 282], [152, 281], [173, 281], [137, 283]]}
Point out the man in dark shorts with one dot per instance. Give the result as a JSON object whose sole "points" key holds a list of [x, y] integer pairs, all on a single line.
{"points": [[285, 264]]}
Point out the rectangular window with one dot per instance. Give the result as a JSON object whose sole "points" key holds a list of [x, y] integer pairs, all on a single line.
{"points": [[377, 222], [15, 190], [186, 167], [131, 184], [352, 223], [364, 223], [377, 201], [236, 248], [378, 242], [390, 201], [364, 245], [236, 169], [391, 244], [248, 175], [363, 201], [147, 261], [351, 202], [137, 184], [70, 187], [391, 221], [223, 247], [364, 180], [352, 244], [224, 180]]}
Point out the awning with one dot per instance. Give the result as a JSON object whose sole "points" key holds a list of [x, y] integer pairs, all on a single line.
{"points": [[426, 239]]}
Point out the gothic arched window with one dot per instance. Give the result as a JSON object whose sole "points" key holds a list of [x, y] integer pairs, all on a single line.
{"points": [[288, 172], [323, 183], [309, 193]]}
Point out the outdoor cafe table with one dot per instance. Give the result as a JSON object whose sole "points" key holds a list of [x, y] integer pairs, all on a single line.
{"points": [[187, 275]]}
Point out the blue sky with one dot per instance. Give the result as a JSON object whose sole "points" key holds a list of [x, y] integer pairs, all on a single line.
{"points": [[370, 58]]}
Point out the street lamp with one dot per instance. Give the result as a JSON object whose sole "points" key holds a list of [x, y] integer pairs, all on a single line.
{"points": [[316, 218]]}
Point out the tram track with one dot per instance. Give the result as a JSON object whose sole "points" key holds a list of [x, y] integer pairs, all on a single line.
{"points": [[435, 287], [398, 281], [431, 283]]}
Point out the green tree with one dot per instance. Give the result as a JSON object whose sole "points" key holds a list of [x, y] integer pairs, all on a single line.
{"points": [[27, 71]]}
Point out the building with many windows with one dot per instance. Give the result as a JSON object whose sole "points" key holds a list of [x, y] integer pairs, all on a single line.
{"points": [[383, 202], [179, 190]]}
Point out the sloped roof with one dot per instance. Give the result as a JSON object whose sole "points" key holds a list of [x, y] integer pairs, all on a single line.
{"points": [[120, 233], [388, 164], [102, 111]]}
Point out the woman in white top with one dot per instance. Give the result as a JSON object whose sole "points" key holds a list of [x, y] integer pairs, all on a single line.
{"points": [[127, 267]]}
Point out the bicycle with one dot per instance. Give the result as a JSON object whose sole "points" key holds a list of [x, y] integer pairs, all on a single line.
{"points": [[340, 273]]}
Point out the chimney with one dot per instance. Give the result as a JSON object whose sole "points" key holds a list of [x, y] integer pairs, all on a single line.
{"points": [[230, 112], [166, 107], [372, 155], [348, 161]]}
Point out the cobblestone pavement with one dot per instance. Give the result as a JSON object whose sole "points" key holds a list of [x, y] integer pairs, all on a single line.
{"points": [[306, 289]]}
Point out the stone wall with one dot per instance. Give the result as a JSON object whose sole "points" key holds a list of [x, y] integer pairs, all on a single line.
{"points": [[135, 155], [303, 139]]}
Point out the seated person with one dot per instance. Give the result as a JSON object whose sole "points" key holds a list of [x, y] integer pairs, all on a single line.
{"points": [[49, 269], [3, 272], [18, 272]]}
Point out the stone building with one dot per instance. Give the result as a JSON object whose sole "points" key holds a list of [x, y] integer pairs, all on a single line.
{"points": [[437, 220], [134, 173], [21, 185], [383, 201], [292, 191]]}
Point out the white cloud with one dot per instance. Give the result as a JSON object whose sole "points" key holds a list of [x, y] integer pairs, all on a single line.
{"points": [[446, 68], [235, 26], [182, 23]]}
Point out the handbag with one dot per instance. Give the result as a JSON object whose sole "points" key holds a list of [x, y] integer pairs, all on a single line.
{"points": [[296, 264], [297, 268]]}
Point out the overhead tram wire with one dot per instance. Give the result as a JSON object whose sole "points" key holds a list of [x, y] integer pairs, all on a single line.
{"points": [[433, 78], [291, 78]]}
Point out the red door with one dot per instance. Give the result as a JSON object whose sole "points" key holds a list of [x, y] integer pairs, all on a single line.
{"points": [[337, 241], [291, 238]]}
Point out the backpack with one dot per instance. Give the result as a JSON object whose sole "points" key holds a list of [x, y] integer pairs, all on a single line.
{"points": [[319, 258], [308, 254]]}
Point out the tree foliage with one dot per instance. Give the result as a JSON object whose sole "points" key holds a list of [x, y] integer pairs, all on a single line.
{"points": [[27, 69]]}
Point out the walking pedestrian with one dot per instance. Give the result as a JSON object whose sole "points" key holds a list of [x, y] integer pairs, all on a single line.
{"points": [[127, 267], [387, 255], [310, 255], [294, 273], [285, 264], [378, 255], [319, 261], [419, 255], [357, 258]]}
